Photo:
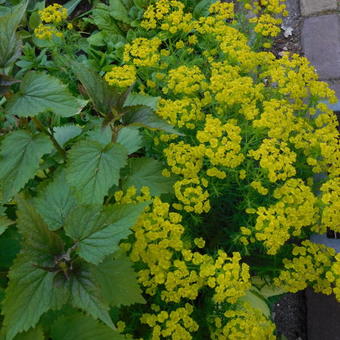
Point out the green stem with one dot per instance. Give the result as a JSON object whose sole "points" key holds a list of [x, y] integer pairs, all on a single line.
{"points": [[41, 127]]}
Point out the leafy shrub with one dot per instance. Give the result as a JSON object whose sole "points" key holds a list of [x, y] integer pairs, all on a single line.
{"points": [[160, 171]]}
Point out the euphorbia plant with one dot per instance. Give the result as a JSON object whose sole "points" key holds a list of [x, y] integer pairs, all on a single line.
{"points": [[163, 133]]}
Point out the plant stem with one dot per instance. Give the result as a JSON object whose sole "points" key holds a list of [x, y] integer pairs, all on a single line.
{"points": [[41, 127]]}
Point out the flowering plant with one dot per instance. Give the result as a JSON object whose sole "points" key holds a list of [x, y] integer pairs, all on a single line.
{"points": [[194, 148]]}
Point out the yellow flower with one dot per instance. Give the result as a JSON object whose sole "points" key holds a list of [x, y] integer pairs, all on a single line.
{"points": [[53, 14], [121, 76]]}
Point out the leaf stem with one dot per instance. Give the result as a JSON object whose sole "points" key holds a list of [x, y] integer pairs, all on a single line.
{"points": [[41, 127]]}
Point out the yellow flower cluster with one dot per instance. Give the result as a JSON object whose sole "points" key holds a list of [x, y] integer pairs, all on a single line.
{"points": [[245, 323], [227, 276], [53, 14], [222, 10], [268, 15], [46, 32], [185, 80], [142, 52], [132, 195], [222, 142], [277, 158], [184, 159], [295, 209], [267, 25], [175, 325], [313, 264], [331, 210], [121, 76], [184, 112], [192, 194], [168, 16]]}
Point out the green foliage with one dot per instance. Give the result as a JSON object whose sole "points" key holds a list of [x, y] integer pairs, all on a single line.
{"points": [[94, 168], [80, 326], [20, 154], [40, 92]]}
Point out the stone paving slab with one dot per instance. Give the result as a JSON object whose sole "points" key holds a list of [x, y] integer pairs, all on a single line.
{"points": [[310, 7], [321, 44]]}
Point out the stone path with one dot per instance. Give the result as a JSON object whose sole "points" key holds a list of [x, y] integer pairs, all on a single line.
{"points": [[320, 39]]}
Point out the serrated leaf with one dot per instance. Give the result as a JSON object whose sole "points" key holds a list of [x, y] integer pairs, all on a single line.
{"points": [[101, 134], [4, 223], [119, 12], [64, 133], [55, 202], [98, 233], [118, 281], [10, 45], [19, 160], [85, 295], [94, 168], [33, 334], [147, 172], [82, 327], [135, 99], [40, 92], [130, 138], [29, 294], [144, 116]]}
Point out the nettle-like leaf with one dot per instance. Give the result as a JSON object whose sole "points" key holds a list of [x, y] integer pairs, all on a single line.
{"points": [[82, 327], [31, 290], [94, 168], [19, 160], [4, 220], [98, 232], [118, 281], [65, 133], [32, 334], [55, 202], [40, 92], [86, 296], [144, 116], [10, 45], [147, 172], [130, 138], [135, 99]]}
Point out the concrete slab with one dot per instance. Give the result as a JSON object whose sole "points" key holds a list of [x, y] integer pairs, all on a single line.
{"points": [[321, 44], [310, 7]]}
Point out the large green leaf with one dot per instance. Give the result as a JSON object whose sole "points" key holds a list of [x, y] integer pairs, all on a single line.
{"points": [[118, 281], [130, 138], [103, 97], [119, 12], [33, 334], [19, 160], [98, 233], [256, 301], [202, 8], [144, 116], [4, 220], [82, 327], [10, 45], [94, 168], [140, 99], [55, 202], [147, 172], [29, 294], [40, 92], [85, 295], [64, 133]]}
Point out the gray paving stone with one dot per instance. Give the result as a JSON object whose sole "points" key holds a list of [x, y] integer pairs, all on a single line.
{"points": [[322, 316], [321, 44], [309, 7]]}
